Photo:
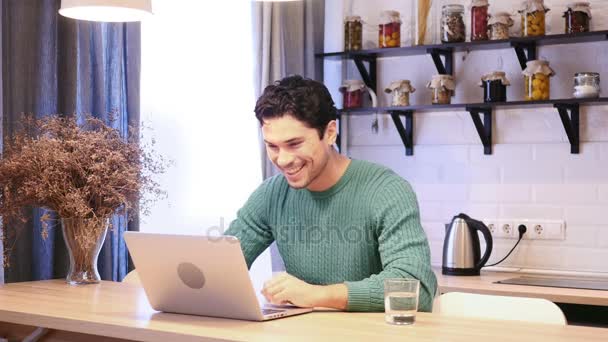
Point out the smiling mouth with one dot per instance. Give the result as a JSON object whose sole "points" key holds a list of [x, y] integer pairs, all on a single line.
{"points": [[294, 172]]}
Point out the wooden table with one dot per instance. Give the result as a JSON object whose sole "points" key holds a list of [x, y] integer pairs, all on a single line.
{"points": [[484, 284], [121, 311]]}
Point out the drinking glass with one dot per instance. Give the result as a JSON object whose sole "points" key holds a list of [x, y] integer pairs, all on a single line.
{"points": [[401, 300]]}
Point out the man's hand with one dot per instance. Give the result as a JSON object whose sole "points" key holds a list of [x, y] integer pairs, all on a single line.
{"points": [[287, 289]]}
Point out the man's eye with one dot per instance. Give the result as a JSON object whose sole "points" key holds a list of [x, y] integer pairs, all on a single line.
{"points": [[272, 147], [295, 144]]}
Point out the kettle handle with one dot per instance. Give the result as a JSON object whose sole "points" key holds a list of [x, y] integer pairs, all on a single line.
{"points": [[487, 235]]}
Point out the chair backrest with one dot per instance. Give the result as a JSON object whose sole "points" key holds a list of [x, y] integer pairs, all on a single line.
{"points": [[535, 310], [132, 278]]}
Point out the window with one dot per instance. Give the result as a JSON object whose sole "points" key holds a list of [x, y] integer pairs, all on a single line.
{"points": [[197, 96]]}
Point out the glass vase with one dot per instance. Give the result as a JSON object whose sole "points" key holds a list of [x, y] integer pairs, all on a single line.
{"points": [[84, 239]]}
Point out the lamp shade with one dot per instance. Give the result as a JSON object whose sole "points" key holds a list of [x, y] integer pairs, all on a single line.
{"points": [[106, 10]]}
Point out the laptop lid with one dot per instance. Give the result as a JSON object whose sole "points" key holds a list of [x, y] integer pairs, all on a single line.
{"points": [[195, 275]]}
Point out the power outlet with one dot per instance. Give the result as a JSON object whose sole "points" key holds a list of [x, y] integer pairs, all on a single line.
{"points": [[501, 229], [544, 229], [535, 229]]}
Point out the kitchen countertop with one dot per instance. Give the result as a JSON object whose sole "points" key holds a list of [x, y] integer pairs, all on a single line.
{"points": [[484, 284]]}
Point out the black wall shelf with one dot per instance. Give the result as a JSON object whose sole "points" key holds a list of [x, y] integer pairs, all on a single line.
{"points": [[554, 39], [525, 50], [568, 110]]}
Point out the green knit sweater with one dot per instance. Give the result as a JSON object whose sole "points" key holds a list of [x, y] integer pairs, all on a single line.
{"points": [[362, 230]]}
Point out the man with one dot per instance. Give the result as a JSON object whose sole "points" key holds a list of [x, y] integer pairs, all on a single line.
{"points": [[342, 226]]}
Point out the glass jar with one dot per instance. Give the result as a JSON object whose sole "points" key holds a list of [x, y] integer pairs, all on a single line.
{"points": [[537, 80], [578, 17], [479, 20], [452, 24], [443, 87], [495, 87], [400, 91], [352, 94], [586, 85], [499, 26], [353, 33], [389, 34], [533, 18]]}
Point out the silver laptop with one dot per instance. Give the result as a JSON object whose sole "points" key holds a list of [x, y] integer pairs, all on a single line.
{"points": [[198, 275]]}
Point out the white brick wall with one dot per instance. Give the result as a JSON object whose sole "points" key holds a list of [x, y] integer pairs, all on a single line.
{"points": [[531, 173]]}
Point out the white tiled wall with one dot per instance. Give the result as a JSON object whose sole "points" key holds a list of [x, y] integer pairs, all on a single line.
{"points": [[531, 173]]}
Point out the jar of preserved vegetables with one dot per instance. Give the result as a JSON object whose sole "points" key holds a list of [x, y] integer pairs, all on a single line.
{"points": [[500, 24], [443, 88], [401, 91], [353, 33], [352, 94], [537, 80], [452, 24], [479, 20], [578, 17], [389, 34], [494, 86], [533, 18]]}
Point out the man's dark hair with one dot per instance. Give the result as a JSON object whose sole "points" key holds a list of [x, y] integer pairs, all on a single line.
{"points": [[306, 100]]}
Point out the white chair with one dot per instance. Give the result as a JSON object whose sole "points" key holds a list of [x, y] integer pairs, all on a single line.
{"points": [[535, 310], [131, 278]]}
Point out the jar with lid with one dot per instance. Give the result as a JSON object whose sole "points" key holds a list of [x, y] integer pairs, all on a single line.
{"points": [[389, 34], [537, 80], [533, 18], [352, 94], [443, 87], [452, 24], [353, 33], [479, 20], [499, 25], [494, 86], [578, 17], [400, 91], [586, 85]]}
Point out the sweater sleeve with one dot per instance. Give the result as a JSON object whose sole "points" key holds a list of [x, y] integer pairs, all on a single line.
{"points": [[403, 249], [251, 225]]}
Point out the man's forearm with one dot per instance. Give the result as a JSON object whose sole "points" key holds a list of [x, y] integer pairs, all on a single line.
{"points": [[333, 296]]}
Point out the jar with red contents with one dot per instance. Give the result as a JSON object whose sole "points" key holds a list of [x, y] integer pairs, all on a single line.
{"points": [[352, 94], [389, 33], [479, 20], [578, 17]]}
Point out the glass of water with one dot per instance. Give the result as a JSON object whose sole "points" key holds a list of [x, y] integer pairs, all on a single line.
{"points": [[401, 300]]}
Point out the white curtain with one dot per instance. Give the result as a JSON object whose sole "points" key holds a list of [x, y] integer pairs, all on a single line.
{"points": [[286, 37], [198, 96]]}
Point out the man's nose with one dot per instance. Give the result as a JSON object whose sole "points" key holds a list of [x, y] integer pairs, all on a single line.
{"points": [[284, 158]]}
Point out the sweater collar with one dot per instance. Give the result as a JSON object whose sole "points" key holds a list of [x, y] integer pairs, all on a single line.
{"points": [[334, 189]]}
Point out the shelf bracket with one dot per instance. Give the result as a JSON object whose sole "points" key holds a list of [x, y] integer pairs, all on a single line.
{"points": [[446, 67], [526, 51], [405, 132], [571, 123], [369, 77], [484, 129]]}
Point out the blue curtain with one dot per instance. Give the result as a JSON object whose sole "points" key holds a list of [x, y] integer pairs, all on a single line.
{"points": [[56, 65]]}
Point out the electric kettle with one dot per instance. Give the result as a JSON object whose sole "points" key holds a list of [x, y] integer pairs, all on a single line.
{"points": [[461, 249]]}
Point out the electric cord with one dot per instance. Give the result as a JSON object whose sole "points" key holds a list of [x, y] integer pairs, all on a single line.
{"points": [[522, 230]]}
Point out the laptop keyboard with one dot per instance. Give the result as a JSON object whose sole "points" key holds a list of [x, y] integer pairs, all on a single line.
{"points": [[270, 311]]}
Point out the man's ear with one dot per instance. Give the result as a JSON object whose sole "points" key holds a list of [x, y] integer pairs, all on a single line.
{"points": [[331, 133]]}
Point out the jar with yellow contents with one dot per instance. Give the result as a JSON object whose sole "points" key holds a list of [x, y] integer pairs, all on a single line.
{"points": [[533, 18], [389, 33], [443, 87], [537, 80]]}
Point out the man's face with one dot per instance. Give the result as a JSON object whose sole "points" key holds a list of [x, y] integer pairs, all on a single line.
{"points": [[297, 150]]}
